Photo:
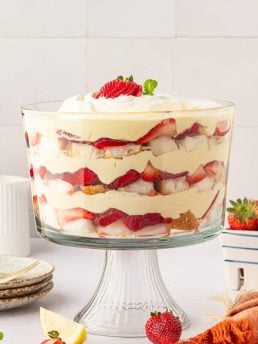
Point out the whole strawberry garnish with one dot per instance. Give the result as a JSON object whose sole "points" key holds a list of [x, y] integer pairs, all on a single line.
{"points": [[120, 87], [163, 328], [243, 214]]}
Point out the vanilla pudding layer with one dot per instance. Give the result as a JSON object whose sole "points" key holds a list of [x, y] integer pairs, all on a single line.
{"points": [[134, 204], [109, 169], [124, 126]]}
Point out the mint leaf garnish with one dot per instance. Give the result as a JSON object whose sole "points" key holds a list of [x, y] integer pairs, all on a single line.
{"points": [[149, 86], [120, 77], [1, 336]]}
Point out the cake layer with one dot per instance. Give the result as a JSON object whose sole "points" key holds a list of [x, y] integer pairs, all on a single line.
{"points": [[109, 169], [134, 204]]}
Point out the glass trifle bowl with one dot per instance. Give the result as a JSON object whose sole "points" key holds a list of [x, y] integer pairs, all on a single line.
{"points": [[130, 182]]}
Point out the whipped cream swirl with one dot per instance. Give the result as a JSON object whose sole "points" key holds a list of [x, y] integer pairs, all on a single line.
{"points": [[144, 103]]}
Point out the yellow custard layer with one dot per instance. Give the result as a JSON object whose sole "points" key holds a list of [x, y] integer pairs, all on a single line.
{"points": [[125, 126], [109, 169], [134, 204]]}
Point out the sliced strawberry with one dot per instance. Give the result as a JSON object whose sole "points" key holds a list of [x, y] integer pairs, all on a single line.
{"points": [[42, 199], [31, 172], [167, 127], [106, 143], [193, 131], [26, 135], [222, 128], [197, 176], [35, 139], [215, 168], [137, 222], [117, 87], [109, 216], [128, 178], [152, 174], [74, 214], [84, 176], [42, 171]]}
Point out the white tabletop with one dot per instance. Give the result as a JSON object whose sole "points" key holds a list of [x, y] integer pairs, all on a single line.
{"points": [[192, 274]]}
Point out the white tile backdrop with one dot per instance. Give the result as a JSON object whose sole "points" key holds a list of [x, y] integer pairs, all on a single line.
{"points": [[50, 49]]}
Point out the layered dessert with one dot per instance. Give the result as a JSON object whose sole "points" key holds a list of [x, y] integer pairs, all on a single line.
{"points": [[126, 162]]}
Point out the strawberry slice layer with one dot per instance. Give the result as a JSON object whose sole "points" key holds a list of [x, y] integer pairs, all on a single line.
{"points": [[128, 178], [110, 216], [74, 214], [222, 128], [84, 176], [193, 131], [152, 174], [167, 127], [108, 143], [215, 168], [197, 176], [138, 222]]}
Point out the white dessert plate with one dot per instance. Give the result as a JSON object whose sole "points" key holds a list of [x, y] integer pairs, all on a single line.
{"points": [[26, 290], [11, 263], [16, 302]]}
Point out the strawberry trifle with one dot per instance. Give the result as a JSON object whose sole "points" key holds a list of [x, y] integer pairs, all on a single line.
{"points": [[127, 162]]}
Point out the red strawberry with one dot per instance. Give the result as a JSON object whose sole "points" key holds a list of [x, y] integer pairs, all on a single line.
{"points": [[53, 341], [42, 199], [74, 214], [193, 131], [197, 176], [31, 172], [26, 135], [152, 174], [106, 143], [128, 178], [222, 128], [167, 127], [110, 216], [84, 176], [137, 222], [42, 171], [163, 328], [215, 169], [118, 87], [35, 139], [243, 214]]}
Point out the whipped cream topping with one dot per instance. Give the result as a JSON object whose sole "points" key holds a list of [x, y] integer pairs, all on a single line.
{"points": [[157, 102]]}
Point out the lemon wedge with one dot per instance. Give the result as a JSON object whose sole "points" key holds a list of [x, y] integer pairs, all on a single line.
{"points": [[69, 331]]}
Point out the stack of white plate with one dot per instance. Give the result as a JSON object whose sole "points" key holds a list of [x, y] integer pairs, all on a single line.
{"points": [[25, 288]]}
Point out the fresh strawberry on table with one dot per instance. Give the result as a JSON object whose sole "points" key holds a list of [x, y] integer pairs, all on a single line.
{"points": [[243, 214], [163, 328]]}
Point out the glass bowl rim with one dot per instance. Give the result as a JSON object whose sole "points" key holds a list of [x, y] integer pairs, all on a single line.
{"points": [[222, 104]]}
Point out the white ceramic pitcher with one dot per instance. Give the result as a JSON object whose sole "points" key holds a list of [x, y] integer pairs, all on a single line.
{"points": [[14, 216]]}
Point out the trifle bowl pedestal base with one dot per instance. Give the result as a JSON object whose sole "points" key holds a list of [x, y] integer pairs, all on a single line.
{"points": [[130, 288]]}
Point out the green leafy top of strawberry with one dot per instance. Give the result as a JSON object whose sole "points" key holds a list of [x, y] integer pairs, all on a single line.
{"points": [[243, 210], [54, 335], [1, 336]]}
